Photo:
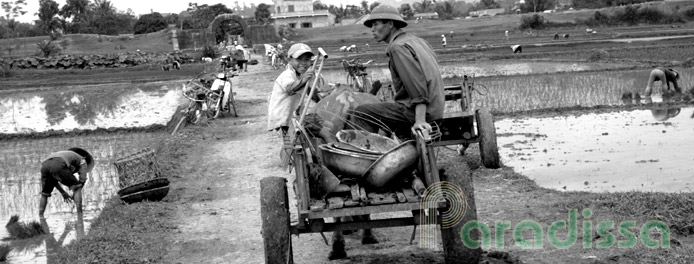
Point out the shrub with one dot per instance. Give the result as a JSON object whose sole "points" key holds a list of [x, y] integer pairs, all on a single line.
{"points": [[64, 44], [47, 48], [150, 23], [4, 251], [5, 72], [597, 55], [532, 22], [688, 14], [284, 31], [210, 51], [651, 15]]}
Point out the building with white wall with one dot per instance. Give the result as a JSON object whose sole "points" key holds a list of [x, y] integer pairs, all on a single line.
{"points": [[300, 14]]}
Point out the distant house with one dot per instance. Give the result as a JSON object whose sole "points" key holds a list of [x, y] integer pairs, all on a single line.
{"points": [[432, 15], [487, 12], [300, 14]]}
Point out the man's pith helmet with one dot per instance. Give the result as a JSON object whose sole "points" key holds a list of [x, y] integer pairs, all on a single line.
{"points": [[386, 12]]}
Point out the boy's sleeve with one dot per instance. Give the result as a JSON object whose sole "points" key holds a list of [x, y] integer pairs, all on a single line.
{"points": [[284, 80]]}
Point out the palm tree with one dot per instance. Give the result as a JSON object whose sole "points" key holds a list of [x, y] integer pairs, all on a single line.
{"points": [[103, 8]]}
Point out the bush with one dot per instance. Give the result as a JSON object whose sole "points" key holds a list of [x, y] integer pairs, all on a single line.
{"points": [[4, 251], [532, 22], [150, 23], [651, 15], [210, 51], [64, 44], [688, 14], [597, 55], [284, 31], [47, 48], [5, 72]]}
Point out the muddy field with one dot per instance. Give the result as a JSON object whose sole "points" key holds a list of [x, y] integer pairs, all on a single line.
{"points": [[212, 214]]}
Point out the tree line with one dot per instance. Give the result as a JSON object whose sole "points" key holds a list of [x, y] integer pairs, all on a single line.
{"points": [[101, 17]]}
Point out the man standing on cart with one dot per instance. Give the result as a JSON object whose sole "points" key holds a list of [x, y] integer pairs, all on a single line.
{"points": [[419, 95]]}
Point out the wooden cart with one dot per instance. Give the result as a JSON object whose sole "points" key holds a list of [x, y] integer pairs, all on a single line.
{"points": [[464, 128]]}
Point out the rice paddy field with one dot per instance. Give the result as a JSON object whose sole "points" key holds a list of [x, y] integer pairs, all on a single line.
{"points": [[544, 77], [20, 185], [513, 87]]}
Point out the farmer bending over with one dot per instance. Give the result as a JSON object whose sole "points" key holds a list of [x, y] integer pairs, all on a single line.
{"points": [[419, 95], [665, 76], [60, 167]]}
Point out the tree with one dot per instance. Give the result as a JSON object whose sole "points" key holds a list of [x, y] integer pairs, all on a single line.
{"points": [[79, 11], [373, 5], [262, 13], [47, 11], [406, 11], [424, 6], [149, 23], [74, 8], [445, 9], [103, 8], [489, 4], [202, 15], [537, 5], [12, 11], [365, 7], [318, 5], [171, 19]]}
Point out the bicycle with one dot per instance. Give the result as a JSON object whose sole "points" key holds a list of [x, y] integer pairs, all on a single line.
{"points": [[279, 59], [199, 100], [359, 80], [219, 88]]}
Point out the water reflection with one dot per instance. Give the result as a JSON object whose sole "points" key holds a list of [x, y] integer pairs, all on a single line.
{"points": [[20, 184], [619, 151], [89, 107]]}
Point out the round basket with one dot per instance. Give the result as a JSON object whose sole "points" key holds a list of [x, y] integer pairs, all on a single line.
{"points": [[152, 190]]}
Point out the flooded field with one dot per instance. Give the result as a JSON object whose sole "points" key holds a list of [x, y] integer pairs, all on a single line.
{"points": [[541, 85], [20, 186], [643, 150], [89, 107], [68, 108]]}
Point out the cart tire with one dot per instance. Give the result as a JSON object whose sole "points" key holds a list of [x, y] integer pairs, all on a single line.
{"points": [[274, 212], [489, 151], [453, 248]]}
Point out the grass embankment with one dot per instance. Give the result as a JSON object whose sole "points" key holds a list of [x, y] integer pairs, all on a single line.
{"points": [[504, 195], [132, 233], [92, 44]]}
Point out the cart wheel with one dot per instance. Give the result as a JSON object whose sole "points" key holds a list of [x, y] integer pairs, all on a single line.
{"points": [[274, 212], [489, 151], [453, 248]]}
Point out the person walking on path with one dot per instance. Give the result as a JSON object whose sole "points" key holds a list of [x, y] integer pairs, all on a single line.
{"points": [[443, 41], [59, 168]]}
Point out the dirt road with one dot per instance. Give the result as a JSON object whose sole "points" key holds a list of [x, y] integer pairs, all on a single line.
{"points": [[219, 209]]}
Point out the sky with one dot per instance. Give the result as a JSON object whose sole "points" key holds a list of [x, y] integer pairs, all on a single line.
{"points": [[141, 7]]}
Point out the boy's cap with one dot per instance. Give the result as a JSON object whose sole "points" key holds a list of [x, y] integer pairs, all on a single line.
{"points": [[299, 49]]}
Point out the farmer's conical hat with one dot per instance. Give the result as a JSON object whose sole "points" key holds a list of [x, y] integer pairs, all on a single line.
{"points": [[87, 156]]}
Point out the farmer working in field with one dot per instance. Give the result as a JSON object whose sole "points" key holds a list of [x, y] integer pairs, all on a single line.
{"points": [[417, 81], [60, 167], [665, 76]]}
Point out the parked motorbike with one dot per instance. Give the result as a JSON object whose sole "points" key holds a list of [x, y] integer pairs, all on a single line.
{"points": [[223, 96]]}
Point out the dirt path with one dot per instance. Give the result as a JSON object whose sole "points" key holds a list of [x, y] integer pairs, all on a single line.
{"points": [[219, 210]]}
